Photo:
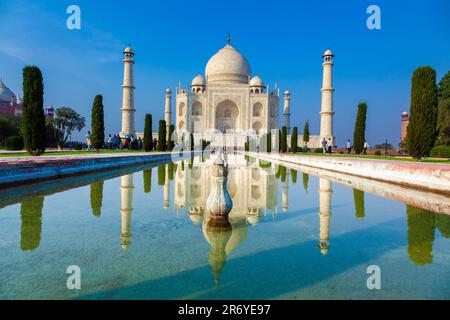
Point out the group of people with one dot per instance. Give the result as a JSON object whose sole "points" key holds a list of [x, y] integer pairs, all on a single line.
{"points": [[327, 145], [116, 142]]}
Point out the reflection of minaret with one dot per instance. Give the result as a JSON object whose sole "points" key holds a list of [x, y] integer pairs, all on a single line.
{"points": [[324, 214], [31, 215], [126, 209], [167, 189], [284, 194]]}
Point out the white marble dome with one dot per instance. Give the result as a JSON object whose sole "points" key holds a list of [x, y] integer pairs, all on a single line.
{"points": [[128, 50], [256, 81], [227, 66], [6, 95], [328, 53], [198, 81]]}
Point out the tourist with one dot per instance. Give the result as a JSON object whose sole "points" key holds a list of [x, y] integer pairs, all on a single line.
{"points": [[366, 146], [88, 141], [330, 146], [110, 142], [349, 146], [324, 145], [155, 143], [139, 143]]}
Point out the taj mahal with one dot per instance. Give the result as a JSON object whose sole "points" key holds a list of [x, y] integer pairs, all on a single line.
{"points": [[229, 102]]}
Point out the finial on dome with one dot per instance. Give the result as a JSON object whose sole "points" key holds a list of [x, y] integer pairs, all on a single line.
{"points": [[228, 38]]}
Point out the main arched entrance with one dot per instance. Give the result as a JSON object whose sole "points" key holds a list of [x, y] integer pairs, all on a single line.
{"points": [[227, 114]]}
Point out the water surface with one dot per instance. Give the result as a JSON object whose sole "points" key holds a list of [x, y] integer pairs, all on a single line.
{"points": [[145, 235]]}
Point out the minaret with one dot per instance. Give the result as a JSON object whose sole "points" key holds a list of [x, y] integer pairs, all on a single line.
{"points": [[324, 214], [405, 122], [126, 209], [128, 109], [287, 111], [168, 112], [326, 113]]}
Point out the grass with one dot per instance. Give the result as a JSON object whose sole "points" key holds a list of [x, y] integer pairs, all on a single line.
{"points": [[391, 158], [66, 153]]}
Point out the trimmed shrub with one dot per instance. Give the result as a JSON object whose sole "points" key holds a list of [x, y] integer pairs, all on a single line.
{"points": [[170, 142], [148, 139], [14, 143], [318, 150], [378, 153], [359, 134], [98, 123], [78, 146], [440, 152], [422, 126], [283, 140], [33, 120], [294, 140], [162, 145]]}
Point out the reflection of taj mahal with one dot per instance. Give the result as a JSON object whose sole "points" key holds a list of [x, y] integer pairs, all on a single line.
{"points": [[229, 100]]}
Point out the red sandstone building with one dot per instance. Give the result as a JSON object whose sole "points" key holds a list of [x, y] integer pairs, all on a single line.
{"points": [[405, 121], [10, 104]]}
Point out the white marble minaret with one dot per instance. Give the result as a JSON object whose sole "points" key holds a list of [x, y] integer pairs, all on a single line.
{"points": [[168, 110], [287, 111], [326, 113], [324, 214], [128, 109]]}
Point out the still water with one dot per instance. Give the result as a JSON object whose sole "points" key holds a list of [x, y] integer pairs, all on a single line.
{"points": [[145, 235]]}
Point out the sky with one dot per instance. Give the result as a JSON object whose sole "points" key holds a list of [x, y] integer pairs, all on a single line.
{"points": [[283, 41]]}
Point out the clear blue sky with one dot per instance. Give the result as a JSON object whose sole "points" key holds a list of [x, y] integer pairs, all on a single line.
{"points": [[283, 41]]}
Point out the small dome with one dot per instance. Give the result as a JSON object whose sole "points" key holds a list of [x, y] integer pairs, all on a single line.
{"points": [[198, 81], [287, 93], [227, 66], [256, 81], [405, 113], [128, 50], [328, 53], [168, 91], [6, 95]]}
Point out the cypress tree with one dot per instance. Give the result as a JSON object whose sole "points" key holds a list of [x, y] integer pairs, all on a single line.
{"points": [[306, 135], [279, 140], [294, 140], [162, 145], [423, 112], [147, 180], [33, 119], [358, 197], [31, 216], [443, 117], [98, 123], [283, 144], [161, 174], [148, 137], [360, 128], [421, 228], [269, 141], [170, 143], [294, 176], [97, 198], [305, 178], [191, 141], [443, 225]]}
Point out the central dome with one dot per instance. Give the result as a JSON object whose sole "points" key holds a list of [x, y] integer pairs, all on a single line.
{"points": [[6, 95], [227, 66]]}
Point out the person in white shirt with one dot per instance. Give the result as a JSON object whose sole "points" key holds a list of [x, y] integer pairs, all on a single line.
{"points": [[349, 146], [366, 146]]}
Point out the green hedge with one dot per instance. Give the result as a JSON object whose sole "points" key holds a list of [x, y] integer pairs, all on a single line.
{"points": [[440, 152], [14, 143]]}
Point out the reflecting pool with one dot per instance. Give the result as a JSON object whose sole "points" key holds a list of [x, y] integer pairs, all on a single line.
{"points": [[143, 233]]}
